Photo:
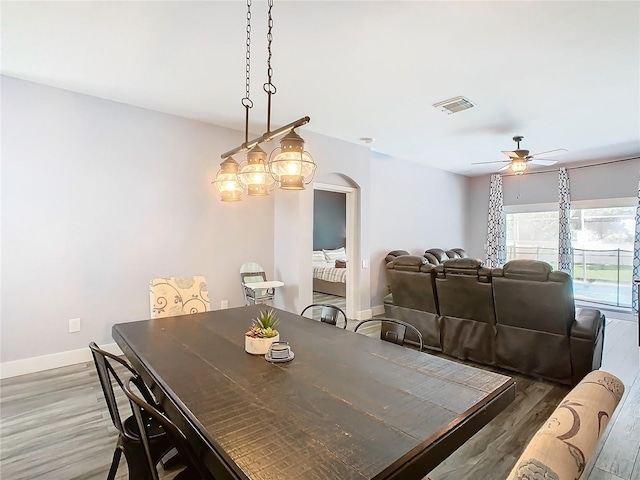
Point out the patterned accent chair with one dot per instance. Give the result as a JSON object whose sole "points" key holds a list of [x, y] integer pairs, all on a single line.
{"points": [[172, 296], [563, 446]]}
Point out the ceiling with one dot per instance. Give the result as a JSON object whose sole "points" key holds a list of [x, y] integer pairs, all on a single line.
{"points": [[563, 74]]}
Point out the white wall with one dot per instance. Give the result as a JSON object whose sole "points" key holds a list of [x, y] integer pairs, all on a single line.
{"points": [[614, 180], [413, 207], [98, 198], [294, 219]]}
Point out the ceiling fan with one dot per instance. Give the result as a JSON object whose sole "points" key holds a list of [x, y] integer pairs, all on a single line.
{"points": [[519, 158]]}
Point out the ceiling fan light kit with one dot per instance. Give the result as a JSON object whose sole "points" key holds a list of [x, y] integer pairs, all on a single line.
{"points": [[291, 168], [520, 158], [518, 166]]}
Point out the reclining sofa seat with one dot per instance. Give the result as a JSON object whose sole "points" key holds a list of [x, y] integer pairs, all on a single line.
{"points": [[388, 300], [414, 298], [537, 329], [468, 320]]}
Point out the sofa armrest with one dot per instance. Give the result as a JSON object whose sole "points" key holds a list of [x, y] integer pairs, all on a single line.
{"points": [[588, 324], [388, 300], [565, 444]]}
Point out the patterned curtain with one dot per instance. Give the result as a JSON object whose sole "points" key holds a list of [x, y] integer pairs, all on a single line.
{"points": [[636, 257], [496, 246], [565, 252]]}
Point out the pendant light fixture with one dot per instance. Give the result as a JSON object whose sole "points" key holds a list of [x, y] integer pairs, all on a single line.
{"points": [[254, 175], [227, 182], [291, 167]]}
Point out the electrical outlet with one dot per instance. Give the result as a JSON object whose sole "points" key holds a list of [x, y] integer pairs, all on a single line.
{"points": [[224, 304], [74, 325], [365, 264]]}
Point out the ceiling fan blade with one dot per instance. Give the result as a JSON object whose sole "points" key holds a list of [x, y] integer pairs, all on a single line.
{"points": [[511, 154], [557, 151], [495, 161], [542, 161], [506, 167]]}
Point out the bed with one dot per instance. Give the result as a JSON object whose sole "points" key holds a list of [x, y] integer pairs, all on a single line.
{"points": [[326, 277]]}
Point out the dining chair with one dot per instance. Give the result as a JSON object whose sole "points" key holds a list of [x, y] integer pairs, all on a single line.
{"points": [[252, 272], [393, 330], [129, 441], [141, 411], [172, 296], [329, 314]]}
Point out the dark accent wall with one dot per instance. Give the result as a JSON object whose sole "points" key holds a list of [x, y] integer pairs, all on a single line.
{"points": [[329, 219]]}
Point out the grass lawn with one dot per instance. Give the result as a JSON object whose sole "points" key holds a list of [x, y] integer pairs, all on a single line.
{"points": [[604, 273]]}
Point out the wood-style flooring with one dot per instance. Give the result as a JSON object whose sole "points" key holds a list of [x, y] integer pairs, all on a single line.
{"points": [[54, 425]]}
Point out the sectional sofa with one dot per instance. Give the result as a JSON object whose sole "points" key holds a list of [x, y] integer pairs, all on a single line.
{"points": [[521, 317]]}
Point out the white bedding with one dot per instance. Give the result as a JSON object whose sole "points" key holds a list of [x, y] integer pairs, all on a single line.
{"points": [[329, 273]]}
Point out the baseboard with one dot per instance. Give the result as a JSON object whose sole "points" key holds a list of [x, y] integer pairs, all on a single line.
{"points": [[363, 314], [377, 310], [54, 360]]}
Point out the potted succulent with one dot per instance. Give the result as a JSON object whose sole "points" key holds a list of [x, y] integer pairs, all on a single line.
{"points": [[262, 333]]}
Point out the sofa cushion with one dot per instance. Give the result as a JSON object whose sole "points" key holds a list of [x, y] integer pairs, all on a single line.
{"points": [[527, 270], [440, 255], [395, 253], [407, 263]]}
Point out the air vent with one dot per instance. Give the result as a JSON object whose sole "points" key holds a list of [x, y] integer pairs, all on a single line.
{"points": [[454, 105]]}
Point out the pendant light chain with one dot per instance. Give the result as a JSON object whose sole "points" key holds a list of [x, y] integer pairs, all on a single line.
{"points": [[291, 169], [246, 101], [269, 87]]}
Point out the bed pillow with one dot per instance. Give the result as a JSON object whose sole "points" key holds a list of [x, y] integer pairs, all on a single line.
{"points": [[337, 254], [318, 257]]}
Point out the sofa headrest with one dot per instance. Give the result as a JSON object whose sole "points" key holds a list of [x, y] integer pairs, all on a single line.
{"points": [[464, 266], [410, 263], [459, 251], [395, 253], [431, 259], [534, 270], [440, 254]]}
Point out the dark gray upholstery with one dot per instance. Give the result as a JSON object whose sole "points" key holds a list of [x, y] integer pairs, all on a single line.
{"points": [[414, 299], [520, 317], [468, 320], [535, 317], [437, 256]]}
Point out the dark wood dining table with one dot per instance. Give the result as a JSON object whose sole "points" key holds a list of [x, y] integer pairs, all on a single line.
{"points": [[348, 406]]}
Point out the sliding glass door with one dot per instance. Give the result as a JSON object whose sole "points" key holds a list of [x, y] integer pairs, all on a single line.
{"points": [[602, 239]]}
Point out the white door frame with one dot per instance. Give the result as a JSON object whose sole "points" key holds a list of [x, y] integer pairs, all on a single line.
{"points": [[353, 272]]}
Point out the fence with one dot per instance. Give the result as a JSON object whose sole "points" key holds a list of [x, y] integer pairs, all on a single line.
{"points": [[602, 276]]}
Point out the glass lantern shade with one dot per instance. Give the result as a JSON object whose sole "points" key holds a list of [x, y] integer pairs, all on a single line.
{"points": [[518, 166], [254, 175], [292, 167], [227, 183]]}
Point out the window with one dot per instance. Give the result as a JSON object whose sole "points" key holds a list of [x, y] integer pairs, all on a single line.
{"points": [[602, 240]]}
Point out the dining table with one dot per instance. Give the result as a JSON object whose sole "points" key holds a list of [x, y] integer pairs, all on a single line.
{"points": [[347, 406]]}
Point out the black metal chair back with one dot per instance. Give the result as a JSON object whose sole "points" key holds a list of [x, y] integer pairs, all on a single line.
{"points": [[393, 330], [141, 409], [330, 313], [129, 438], [106, 375]]}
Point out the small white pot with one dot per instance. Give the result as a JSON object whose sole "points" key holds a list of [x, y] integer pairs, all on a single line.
{"points": [[259, 346]]}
